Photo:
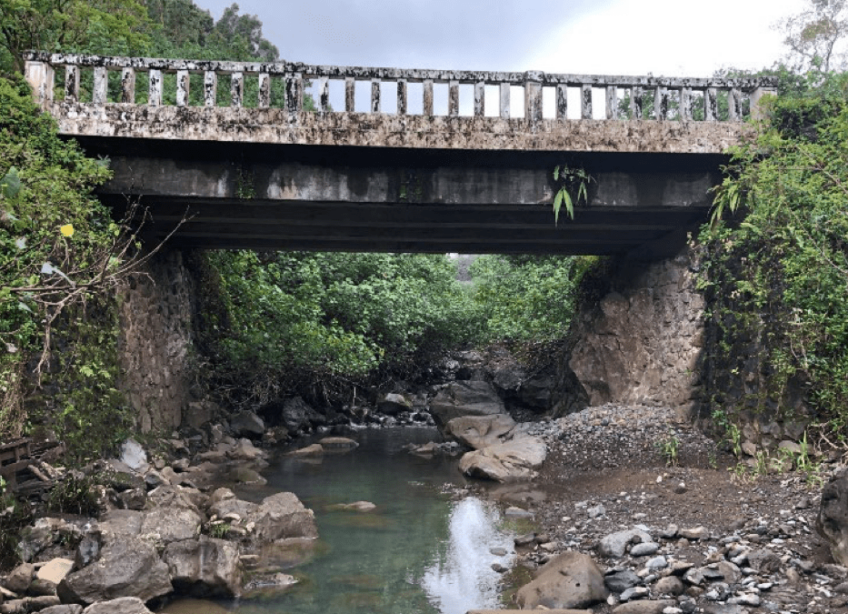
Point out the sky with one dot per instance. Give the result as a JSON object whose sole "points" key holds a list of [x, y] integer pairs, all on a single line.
{"points": [[611, 37]]}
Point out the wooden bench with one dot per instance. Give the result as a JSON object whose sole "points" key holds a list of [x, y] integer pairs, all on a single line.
{"points": [[14, 457]]}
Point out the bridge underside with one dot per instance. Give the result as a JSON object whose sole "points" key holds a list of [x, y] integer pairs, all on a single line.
{"points": [[332, 198]]}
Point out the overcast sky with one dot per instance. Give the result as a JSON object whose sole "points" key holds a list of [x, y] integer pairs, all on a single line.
{"points": [[625, 37]]}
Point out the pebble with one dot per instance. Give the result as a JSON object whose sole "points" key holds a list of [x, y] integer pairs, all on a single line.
{"points": [[644, 549], [658, 562]]}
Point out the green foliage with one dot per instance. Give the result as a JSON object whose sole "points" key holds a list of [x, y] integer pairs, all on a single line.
{"points": [[777, 274], [15, 515], [115, 27], [74, 495], [669, 448], [277, 321], [572, 187], [527, 298]]}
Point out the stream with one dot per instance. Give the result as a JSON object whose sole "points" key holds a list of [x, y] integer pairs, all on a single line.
{"points": [[420, 552]]}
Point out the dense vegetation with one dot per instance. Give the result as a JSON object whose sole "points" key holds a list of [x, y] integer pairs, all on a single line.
{"points": [[777, 271]]}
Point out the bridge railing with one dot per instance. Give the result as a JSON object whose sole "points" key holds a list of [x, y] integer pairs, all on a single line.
{"points": [[623, 97]]}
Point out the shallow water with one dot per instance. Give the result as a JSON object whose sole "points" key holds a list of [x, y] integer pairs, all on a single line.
{"points": [[419, 552]]}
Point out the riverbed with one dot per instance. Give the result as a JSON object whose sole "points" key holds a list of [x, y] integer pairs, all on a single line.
{"points": [[423, 550]]}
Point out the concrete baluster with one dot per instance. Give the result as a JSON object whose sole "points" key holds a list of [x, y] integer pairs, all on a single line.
{"points": [[428, 98], [734, 105], [586, 101], [453, 98], [375, 95], [350, 94], [128, 85], [711, 104], [562, 102], [635, 102], [325, 95], [686, 104], [264, 91], [237, 90], [100, 90], [402, 96], [183, 88], [210, 88], [661, 103], [40, 77], [533, 96], [504, 100], [757, 111], [612, 102], [72, 83], [294, 93], [154, 91], [479, 99]]}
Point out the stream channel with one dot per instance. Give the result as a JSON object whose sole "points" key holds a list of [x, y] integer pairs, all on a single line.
{"points": [[421, 551]]}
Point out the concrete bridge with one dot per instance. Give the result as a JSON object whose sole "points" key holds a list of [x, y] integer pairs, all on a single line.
{"points": [[416, 161]]}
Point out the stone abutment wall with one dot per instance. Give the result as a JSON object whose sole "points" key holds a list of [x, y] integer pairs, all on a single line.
{"points": [[638, 340], [156, 345]]}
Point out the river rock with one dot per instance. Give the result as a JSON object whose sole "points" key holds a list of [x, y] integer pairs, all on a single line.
{"points": [[357, 506], [615, 545], [393, 404], [171, 523], [478, 432], [645, 607], [124, 605], [620, 581], [466, 398], [338, 443], [55, 570], [316, 449], [70, 608], [128, 567], [282, 516], [247, 424], [832, 519], [506, 462], [134, 456], [298, 415], [204, 567], [570, 580], [245, 450], [20, 578], [29, 604]]}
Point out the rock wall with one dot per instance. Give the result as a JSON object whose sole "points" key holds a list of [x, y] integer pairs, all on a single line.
{"points": [[641, 342], [156, 347]]}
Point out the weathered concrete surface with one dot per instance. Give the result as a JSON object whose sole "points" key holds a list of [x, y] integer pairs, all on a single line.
{"points": [[278, 126]]}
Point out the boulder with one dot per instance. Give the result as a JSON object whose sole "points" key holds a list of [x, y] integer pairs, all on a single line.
{"points": [[570, 580], [480, 432], [832, 520], [71, 608], [536, 392], [297, 415], [55, 570], [506, 462], [171, 523], [245, 450], [133, 455], [29, 604], [204, 567], [615, 545], [20, 578], [282, 516], [393, 404], [466, 398], [247, 424], [128, 567], [124, 605]]}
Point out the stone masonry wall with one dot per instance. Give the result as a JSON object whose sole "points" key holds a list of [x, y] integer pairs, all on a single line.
{"points": [[641, 343], [156, 342]]}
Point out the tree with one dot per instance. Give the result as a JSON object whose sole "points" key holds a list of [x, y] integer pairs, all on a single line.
{"points": [[118, 27], [816, 37]]}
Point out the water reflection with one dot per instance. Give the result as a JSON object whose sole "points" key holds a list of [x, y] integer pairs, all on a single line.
{"points": [[461, 577]]}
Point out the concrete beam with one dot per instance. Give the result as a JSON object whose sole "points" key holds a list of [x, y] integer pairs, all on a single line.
{"points": [[280, 127]]}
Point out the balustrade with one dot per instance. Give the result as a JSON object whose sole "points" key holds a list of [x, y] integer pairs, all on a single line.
{"points": [[635, 98]]}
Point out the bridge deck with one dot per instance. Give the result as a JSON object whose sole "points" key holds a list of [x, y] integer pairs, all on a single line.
{"points": [[250, 166]]}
